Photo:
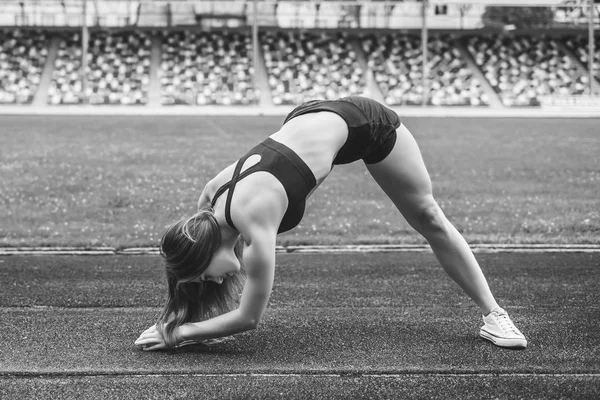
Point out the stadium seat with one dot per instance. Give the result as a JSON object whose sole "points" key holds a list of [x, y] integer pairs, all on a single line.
{"points": [[304, 66], [579, 45], [22, 57], [206, 69], [521, 69], [118, 69], [396, 61]]}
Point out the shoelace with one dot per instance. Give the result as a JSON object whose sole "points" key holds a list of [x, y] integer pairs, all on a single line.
{"points": [[505, 323]]}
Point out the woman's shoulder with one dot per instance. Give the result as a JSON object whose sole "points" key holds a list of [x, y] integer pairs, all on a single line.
{"points": [[212, 187]]}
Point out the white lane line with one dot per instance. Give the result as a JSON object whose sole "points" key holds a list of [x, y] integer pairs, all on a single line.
{"points": [[305, 374], [334, 249], [75, 309]]}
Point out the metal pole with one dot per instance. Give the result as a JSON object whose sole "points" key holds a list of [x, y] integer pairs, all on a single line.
{"points": [[84, 51], [591, 48], [255, 43], [424, 40]]}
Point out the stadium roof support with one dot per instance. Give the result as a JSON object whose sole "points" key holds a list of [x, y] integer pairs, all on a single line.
{"points": [[591, 50], [255, 53], [84, 53], [424, 43]]}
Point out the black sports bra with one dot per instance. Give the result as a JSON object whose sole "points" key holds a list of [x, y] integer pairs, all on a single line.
{"points": [[293, 173]]}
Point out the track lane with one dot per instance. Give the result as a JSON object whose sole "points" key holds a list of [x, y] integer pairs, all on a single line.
{"points": [[377, 325]]}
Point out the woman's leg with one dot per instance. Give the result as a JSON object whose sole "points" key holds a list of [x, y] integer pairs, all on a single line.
{"points": [[404, 178]]}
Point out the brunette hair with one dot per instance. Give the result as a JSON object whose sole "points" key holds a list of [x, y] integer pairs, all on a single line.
{"points": [[188, 247]]}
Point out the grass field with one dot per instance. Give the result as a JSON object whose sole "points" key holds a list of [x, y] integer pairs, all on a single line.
{"points": [[358, 325], [119, 181]]}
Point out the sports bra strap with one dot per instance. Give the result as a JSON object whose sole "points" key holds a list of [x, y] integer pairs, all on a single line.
{"points": [[231, 186], [219, 192]]}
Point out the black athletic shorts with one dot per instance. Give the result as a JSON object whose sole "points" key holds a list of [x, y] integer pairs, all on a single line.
{"points": [[371, 127]]}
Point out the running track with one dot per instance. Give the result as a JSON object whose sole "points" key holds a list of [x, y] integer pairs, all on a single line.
{"points": [[348, 325]]}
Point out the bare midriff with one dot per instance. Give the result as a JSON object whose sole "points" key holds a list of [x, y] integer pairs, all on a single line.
{"points": [[316, 138]]}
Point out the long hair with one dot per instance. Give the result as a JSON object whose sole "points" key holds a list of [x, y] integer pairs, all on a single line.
{"points": [[188, 247]]}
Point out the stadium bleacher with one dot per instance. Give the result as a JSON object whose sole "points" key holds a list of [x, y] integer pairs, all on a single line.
{"points": [[521, 69], [118, 69], [214, 66], [207, 68], [579, 45], [396, 61], [22, 58], [304, 66]]}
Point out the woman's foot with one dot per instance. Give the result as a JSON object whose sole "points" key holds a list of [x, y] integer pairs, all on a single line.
{"points": [[500, 330]]}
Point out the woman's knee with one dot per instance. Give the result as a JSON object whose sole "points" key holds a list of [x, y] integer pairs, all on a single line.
{"points": [[431, 220]]}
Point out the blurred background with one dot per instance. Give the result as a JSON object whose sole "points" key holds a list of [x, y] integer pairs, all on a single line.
{"points": [[190, 84], [475, 53]]}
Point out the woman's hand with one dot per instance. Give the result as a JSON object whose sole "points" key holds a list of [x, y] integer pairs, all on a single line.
{"points": [[151, 339]]}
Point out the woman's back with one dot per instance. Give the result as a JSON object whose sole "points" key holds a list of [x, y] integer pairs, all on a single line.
{"points": [[316, 138]]}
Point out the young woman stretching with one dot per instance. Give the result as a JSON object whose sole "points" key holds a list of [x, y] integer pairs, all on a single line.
{"points": [[246, 205]]}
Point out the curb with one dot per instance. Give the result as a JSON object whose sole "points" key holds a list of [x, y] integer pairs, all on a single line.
{"points": [[384, 248]]}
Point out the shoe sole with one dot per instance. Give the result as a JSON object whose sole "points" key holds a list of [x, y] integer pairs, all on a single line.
{"points": [[513, 343]]}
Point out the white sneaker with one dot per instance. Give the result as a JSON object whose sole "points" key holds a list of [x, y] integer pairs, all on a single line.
{"points": [[500, 330]]}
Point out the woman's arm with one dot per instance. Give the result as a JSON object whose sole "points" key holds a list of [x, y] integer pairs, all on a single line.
{"points": [[259, 261], [257, 219], [204, 199]]}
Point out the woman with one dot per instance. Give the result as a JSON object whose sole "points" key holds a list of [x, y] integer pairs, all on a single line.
{"points": [[264, 193]]}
